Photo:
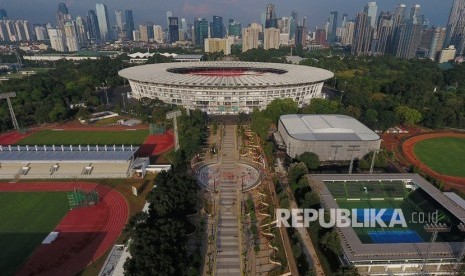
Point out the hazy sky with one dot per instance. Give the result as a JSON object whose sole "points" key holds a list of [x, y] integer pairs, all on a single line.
{"points": [[244, 11]]}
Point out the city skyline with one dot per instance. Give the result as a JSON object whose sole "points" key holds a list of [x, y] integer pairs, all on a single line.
{"points": [[242, 11]]}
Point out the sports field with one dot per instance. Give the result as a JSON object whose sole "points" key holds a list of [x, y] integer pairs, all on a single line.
{"points": [[389, 195], [445, 155], [26, 218], [62, 137]]}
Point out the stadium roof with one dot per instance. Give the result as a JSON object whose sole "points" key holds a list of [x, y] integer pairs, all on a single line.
{"points": [[255, 74], [326, 128], [66, 155]]}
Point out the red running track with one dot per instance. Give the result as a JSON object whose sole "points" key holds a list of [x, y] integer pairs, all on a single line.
{"points": [[85, 234], [156, 144], [12, 137]]}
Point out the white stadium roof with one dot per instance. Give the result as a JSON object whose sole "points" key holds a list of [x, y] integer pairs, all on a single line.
{"points": [[326, 128], [255, 74]]}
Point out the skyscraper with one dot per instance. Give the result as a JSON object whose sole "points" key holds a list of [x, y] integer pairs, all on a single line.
{"points": [[62, 16], [71, 38], [456, 27], [371, 10], [158, 33], [3, 14], [57, 40], [217, 27], [92, 26], [408, 35], [270, 20], [174, 29], [271, 38], [250, 37], [293, 25], [234, 28], [332, 27], [344, 20], [347, 36], [362, 34], [200, 30], [168, 15], [103, 22], [129, 23], [81, 30], [120, 28]]}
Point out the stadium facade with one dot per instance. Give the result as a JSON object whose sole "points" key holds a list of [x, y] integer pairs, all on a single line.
{"points": [[397, 254], [225, 87], [331, 137]]}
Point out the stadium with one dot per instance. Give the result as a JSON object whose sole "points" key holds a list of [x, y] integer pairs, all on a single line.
{"points": [[225, 87], [331, 137], [424, 247]]}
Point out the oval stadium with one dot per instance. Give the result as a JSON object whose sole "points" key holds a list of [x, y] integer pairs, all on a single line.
{"points": [[225, 87]]}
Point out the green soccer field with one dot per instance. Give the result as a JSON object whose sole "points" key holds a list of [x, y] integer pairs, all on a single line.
{"points": [[54, 137], [443, 155], [26, 219]]}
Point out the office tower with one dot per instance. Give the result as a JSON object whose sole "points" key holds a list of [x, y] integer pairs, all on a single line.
{"points": [[57, 40], [293, 25], [200, 30], [415, 15], [168, 15], [215, 45], [320, 37], [22, 30], [408, 36], [250, 37], [347, 36], [103, 22], [174, 29], [144, 33], [344, 20], [81, 31], [455, 34], [92, 26], [270, 18], [3, 14], [120, 29], [217, 27], [136, 35], [234, 28], [371, 10], [362, 34], [71, 39], [41, 33], [271, 38], [158, 34], [384, 32], [62, 16], [128, 23], [332, 27]]}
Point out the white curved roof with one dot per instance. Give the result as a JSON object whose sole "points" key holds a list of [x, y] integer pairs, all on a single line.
{"points": [[326, 128], [295, 74]]}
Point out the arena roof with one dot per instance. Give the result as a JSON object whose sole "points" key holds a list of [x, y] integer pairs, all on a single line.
{"points": [[251, 74], [326, 128]]}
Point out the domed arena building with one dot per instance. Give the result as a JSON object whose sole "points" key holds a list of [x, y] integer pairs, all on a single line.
{"points": [[225, 87]]}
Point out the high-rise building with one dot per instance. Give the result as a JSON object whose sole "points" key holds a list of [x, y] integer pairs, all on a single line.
{"points": [[103, 21], [271, 38], [362, 34], [408, 36], [320, 37], [120, 28], [212, 45], [250, 37], [234, 28], [415, 15], [168, 15], [293, 25], [41, 33], [158, 34], [347, 36], [81, 31], [129, 23], [270, 20], [92, 26], [384, 32], [144, 33], [217, 27], [63, 16], [57, 40], [174, 29], [371, 10], [3, 14], [71, 39], [344, 20], [447, 54], [200, 30], [332, 27], [301, 36], [456, 27]]}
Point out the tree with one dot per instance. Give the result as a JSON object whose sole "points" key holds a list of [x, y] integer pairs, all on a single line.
{"points": [[310, 159], [330, 241], [296, 171], [322, 106], [409, 116]]}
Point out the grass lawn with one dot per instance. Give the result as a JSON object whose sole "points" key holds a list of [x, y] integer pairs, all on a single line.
{"points": [[54, 137], [26, 219], [443, 155]]}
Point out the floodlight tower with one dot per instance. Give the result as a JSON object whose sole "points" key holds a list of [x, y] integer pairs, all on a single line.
{"points": [[458, 263], [7, 96], [353, 149], [375, 152], [174, 115], [434, 229]]}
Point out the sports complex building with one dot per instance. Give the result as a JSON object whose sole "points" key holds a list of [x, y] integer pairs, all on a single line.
{"points": [[426, 246], [225, 87], [331, 137]]}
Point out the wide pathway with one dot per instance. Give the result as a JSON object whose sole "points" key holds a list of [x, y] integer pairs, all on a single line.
{"points": [[228, 260]]}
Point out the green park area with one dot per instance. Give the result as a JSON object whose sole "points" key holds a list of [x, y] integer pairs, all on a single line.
{"points": [[56, 137], [26, 219], [443, 155]]}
